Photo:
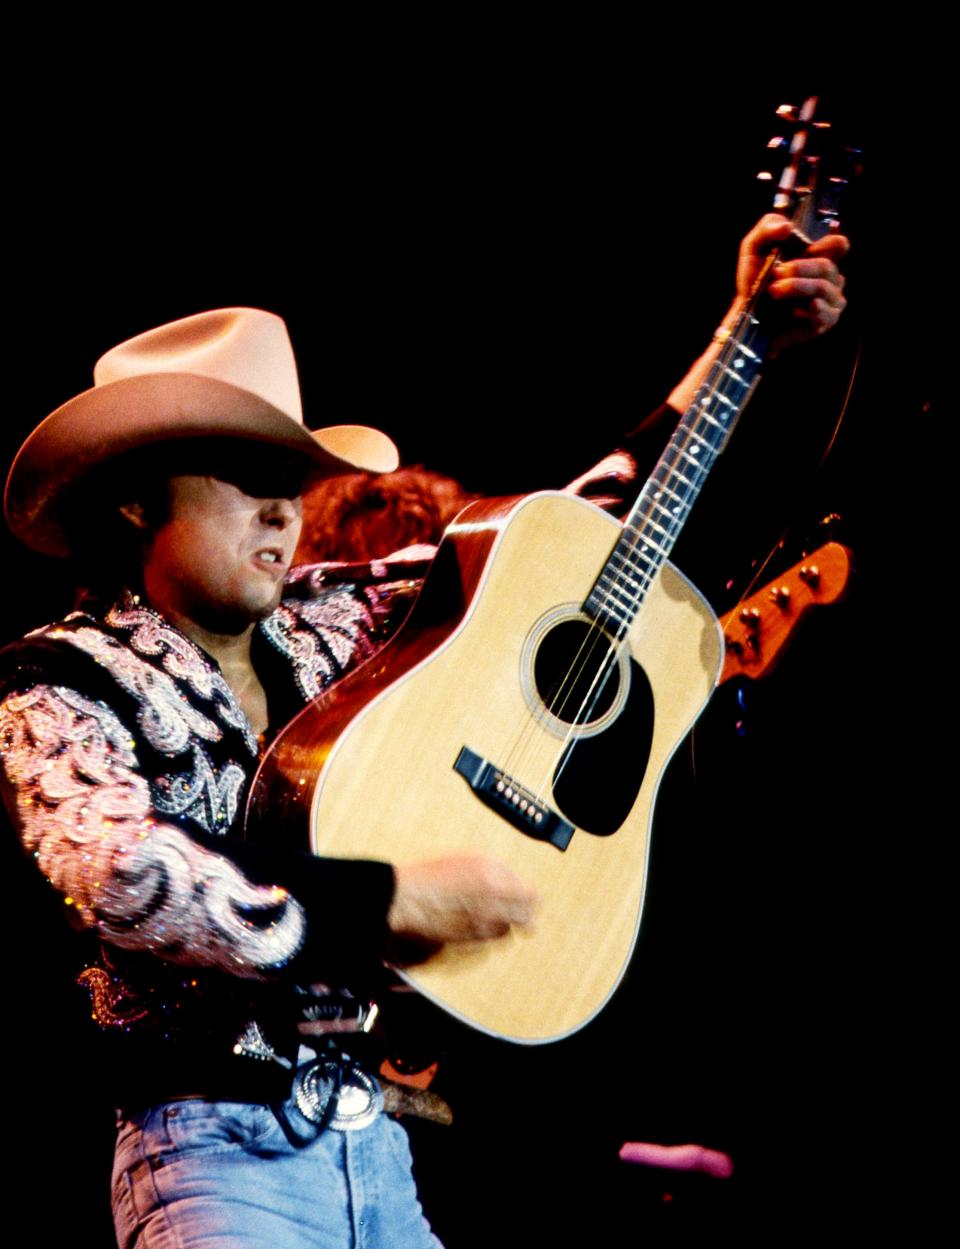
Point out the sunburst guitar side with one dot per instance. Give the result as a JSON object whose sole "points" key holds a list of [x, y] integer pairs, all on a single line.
{"points": [[499, 614]]}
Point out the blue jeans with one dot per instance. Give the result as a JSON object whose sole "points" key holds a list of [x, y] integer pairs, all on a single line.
{"points": [[194, 1174]]}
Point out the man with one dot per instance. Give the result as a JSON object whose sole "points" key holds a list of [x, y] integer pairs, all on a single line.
{"points": [[130, 733]]}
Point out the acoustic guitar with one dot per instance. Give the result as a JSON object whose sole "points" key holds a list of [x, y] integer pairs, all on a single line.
{"points": [[526, 710]]}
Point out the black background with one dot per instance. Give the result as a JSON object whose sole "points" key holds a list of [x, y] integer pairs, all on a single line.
{"points": [[505, 260]]}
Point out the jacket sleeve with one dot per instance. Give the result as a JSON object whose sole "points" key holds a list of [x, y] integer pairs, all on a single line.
{"points": [[611, 483], [85, 813]]}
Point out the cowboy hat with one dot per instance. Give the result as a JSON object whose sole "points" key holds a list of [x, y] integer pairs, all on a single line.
{"points": [[228, 373]]}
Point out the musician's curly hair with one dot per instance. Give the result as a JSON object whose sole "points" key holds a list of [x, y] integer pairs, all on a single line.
{"points": [[363, 516]]}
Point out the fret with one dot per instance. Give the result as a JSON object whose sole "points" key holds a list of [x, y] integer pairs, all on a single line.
{"points": [[637, 528], [735, 377], [613, 592], [662, 489], [628, 555], [692, 433], [636, 532], [608, 618], [722, 417], [637, 583], [646, 544], [691, 459], [742, 347], [659, 518], [643, 576], [601, 610], [674, 472], [712, 421], [680, 443], [660, 514], [622, 613]]}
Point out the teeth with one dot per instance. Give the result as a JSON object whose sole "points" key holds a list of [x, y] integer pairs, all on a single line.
{"points": [[270, 556]]}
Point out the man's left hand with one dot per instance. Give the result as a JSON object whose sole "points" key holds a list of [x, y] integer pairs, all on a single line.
{"points": [[808, 290]]}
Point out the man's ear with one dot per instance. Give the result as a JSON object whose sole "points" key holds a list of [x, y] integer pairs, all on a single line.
{"points": [[135, 514]]}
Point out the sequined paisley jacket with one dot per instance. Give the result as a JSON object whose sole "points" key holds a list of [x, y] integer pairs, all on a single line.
{"points": [[126, 766], [127, 762]]}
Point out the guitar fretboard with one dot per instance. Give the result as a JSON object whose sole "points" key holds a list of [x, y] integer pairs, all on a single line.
{"points": [[659, 513]]}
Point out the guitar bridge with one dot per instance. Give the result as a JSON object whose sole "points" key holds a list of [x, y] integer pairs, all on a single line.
{"points": [[513, 802]]}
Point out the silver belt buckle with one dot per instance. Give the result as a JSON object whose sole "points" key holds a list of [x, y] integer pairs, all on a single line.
{"points": [[356, 1097]]}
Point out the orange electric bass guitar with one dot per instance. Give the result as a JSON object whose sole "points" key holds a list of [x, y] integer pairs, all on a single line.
{"points": [[551, 666], [756, 631]]}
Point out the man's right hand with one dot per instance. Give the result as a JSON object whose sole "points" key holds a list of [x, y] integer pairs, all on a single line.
{"points": [[464, 898]]}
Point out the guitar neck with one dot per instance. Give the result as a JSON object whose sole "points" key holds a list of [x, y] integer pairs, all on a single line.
{"points": [[655, 521], [658, 515]]}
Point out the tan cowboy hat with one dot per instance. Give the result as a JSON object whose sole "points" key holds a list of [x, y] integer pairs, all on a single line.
{"points": [[228, 373]]}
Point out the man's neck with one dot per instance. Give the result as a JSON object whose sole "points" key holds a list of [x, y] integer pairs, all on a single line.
{"points": [[232, 651]]}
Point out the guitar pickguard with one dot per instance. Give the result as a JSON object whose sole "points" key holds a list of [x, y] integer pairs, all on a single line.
{"points": [[599, 776]]}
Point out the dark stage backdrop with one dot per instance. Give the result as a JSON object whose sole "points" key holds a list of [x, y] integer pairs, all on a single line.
{"points": [[505, 282]]}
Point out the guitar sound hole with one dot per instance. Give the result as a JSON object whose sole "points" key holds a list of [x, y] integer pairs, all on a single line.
{"points": [[575, 674]]}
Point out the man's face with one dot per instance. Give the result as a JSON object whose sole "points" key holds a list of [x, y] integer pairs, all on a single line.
{"points": [[219, 559]]}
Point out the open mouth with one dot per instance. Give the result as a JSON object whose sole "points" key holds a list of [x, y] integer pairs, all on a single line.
{"points": [[270, 557]]}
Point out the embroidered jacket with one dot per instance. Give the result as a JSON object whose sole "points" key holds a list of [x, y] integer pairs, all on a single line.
{"points": [[128, 761]]}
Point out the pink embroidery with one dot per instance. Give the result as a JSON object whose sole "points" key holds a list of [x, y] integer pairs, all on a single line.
{"points": [[87, 816]]}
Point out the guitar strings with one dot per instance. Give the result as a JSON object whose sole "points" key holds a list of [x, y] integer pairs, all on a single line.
{"points": [[745, 331], [703, 428], [745, 327], [555, 705], [666, 476], [697, 426]]}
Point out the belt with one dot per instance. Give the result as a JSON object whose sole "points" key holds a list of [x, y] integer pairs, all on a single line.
{"points": [[332, 1091]]}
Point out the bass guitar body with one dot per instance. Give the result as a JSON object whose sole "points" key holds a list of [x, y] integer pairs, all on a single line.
{"points": [[501, 720]]}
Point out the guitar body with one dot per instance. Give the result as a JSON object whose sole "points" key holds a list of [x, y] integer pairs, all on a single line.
{"points": [[372, 766]]}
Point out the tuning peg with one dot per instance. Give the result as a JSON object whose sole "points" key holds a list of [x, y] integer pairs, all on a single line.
{"points": [[801, 116]]}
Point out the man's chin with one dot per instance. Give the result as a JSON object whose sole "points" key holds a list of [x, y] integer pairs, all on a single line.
{"points": [[260, 611], [270, 602], [235, 620]]}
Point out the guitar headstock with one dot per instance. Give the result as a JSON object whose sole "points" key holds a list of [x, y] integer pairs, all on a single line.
{"points": [[811, 170], [758, 629]]}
